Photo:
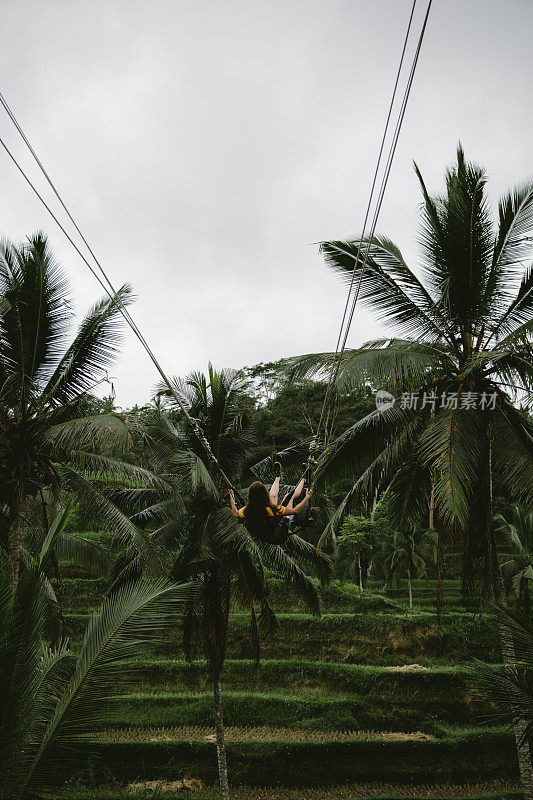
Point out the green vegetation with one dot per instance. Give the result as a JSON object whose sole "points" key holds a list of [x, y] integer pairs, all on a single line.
{"points": [[369, 638], [345, 661], [49, 697], [515, 539], [456, 758], [496, 790]]}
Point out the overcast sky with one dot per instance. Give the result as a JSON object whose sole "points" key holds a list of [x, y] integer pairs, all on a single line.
{"points": [[205, 145]]}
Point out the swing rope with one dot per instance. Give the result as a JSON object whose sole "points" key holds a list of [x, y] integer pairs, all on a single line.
{"points": [[111, 292], [104, 281], [347, 317]]}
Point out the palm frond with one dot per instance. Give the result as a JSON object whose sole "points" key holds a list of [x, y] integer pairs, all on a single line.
{"points": [[264, 468], [392, 364], [194, 474], [357, 447], [451, 445], [315, 560], [172, 510], [103, 509], [513, 450], [24, 612], [101, 467], [126, 620], [5, 305], [92, 351], [457, 237], [52, 537], [33, 327], [410, 490], [509, 689], [512, 246], [93, 431], [379, 289], [85, 552], [286, 567]]}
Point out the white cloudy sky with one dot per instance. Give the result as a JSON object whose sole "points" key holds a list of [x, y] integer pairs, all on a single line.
{"points": [[204, 145]]}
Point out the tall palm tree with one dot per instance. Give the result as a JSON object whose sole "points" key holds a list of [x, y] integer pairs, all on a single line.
{"points": [[48, 696], [411, 551], [49, 436], [461, 357], [515, 539], [191, 523]]}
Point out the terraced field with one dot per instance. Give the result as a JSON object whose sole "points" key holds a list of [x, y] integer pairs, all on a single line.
{"points": [[371, 700]]}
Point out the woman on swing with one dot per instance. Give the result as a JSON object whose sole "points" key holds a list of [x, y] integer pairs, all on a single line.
{"points": [[262, 515]]}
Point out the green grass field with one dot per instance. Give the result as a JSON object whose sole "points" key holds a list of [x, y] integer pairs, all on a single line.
{"points": [[371, 700]]}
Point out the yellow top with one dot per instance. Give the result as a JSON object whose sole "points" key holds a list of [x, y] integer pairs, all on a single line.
{"points": [[281, 511]]}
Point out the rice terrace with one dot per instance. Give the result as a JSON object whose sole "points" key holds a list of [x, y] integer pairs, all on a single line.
{"points": [[266, 506]]}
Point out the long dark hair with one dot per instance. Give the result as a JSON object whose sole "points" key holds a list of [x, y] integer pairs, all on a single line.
{"points": [[255, 512]]}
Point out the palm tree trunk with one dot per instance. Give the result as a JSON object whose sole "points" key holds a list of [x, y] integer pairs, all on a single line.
{"points": [[14, 530], [439, 553], [410, 584], [523, 751], [221, 744], [360, 572], [439, 578], [215, 630]]}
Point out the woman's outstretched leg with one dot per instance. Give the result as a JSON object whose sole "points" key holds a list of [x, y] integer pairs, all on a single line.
{"points": [[274, 491]]}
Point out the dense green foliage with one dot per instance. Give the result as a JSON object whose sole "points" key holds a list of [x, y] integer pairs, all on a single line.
{"points": [[48, 696], [363, 675], [463, 335]]}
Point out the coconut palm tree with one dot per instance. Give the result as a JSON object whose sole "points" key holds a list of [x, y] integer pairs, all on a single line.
{"points": [[198, 536], [48, 696], [461, 356], [515, 539], [411, 551], [50, 438]]}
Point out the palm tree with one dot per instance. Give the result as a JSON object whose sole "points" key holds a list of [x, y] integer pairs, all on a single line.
{"points": [[515, 539], [49, 436], [511, 689], [462, 353], [48, 696], [192, 525], [411, 551]]}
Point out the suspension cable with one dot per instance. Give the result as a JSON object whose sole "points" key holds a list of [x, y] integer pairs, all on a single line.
{"points": [[106, 284], [114, 296], [348, 317]]}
